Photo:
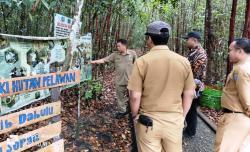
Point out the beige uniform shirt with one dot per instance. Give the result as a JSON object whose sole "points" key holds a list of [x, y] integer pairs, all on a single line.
{"points": [[161, 76], [123, 65], [236, 93]]}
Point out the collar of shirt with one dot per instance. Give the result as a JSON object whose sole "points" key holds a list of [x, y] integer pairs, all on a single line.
{"points": [[127, 53], [159, 47]]}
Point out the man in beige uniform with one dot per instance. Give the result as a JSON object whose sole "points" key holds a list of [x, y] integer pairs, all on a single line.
{"points": [[161, 92], [123, 61], [233, 133]]}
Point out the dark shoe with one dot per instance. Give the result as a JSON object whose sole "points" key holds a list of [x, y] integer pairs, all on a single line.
{"points": [[120, 115]]}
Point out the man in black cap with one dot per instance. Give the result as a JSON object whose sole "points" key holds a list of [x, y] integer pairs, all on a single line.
{"points": [[197, 57], [161, 91]]}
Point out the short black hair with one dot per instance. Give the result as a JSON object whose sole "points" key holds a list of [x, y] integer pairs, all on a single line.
{"points": [[122, 41], [159, 39], [242, 43]]}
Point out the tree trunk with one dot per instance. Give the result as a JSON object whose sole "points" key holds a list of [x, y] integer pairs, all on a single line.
{"points": [[184, 26], [107, 33], [231, 32], [209, 37], [129, 36], [177, 41], [117, 35], [246, 32], [194, 8], [96, 30]]}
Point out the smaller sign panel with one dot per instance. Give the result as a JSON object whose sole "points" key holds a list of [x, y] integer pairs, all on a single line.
{"points": [[63, 25], [38, 82], [29, 116], [54, 147], [30, 139]]}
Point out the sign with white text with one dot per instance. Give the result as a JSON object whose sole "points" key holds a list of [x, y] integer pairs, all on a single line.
{"points": [[30, 139], [29, 116], [38, 82]]}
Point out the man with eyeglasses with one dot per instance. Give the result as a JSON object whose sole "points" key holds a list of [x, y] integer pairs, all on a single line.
{"points": [[233, 132]]}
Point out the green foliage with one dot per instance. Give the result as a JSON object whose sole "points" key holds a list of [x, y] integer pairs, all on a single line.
{"points": [[31, 20], [46, 4], [211, 98], [162, 2], [88, 94], [92, 89], [219, 85]]}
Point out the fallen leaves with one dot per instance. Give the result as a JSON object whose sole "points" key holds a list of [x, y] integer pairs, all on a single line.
{"points": [[96, 129], [212, 114]]}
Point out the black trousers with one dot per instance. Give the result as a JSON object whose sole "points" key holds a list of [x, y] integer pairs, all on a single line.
{"points": [[191, 118]]}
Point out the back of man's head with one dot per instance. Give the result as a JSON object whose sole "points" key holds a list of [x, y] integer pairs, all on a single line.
{"points": [[159, 32]]}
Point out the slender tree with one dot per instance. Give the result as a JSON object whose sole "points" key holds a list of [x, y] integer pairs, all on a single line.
{"points": [[209, 38], [246, 32], [231, 32]]}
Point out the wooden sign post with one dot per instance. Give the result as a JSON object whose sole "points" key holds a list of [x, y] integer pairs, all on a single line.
{"points": [[31, 139], [29, 116]]}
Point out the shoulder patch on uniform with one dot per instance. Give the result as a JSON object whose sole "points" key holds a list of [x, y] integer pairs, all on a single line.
{"points": [[235, 76]]}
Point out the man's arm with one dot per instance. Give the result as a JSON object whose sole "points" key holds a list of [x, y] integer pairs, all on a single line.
{"points": [[100, 61], [187, 99], [135, 86], [135, 100], [188, 91], [109, 58]]}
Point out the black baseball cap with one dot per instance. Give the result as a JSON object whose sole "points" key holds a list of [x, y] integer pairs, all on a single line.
{"points": [[193, 34]]}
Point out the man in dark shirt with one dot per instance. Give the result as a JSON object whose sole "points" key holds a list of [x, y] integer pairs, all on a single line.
{"points": [[197, 57]]}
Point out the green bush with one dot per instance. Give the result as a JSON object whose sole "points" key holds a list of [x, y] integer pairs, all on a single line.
{"points": [[92, 90], [211, 98]]}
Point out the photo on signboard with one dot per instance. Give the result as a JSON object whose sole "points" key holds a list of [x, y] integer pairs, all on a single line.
{"points": [[11, 56], [18, 72]]}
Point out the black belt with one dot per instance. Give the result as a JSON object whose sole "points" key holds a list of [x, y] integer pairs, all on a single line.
{"points": [[229, 111]]}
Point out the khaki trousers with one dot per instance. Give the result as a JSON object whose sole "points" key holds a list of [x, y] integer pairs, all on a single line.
{"points": [[233, 133], [164, 136], [122, 97]]}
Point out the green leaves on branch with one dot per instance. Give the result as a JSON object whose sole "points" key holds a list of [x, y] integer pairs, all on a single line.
{"points": [[92, 89], [46, 4], [29, 4], [162, 2]]}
